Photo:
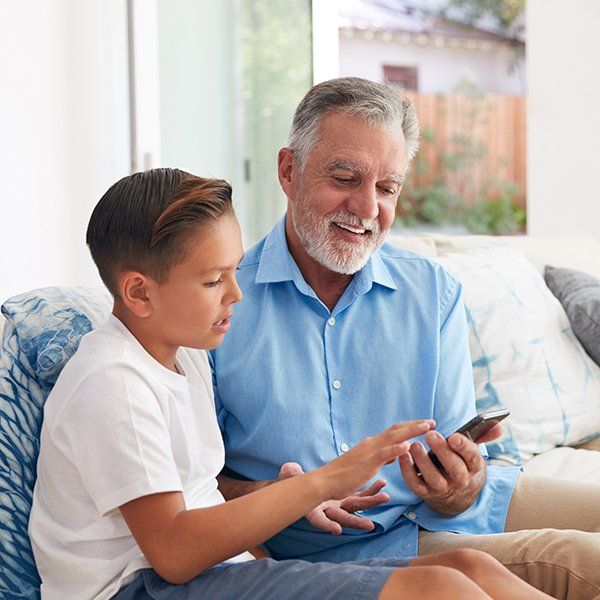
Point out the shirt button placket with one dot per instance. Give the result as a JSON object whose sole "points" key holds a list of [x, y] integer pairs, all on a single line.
{"points": [[336, 384]]}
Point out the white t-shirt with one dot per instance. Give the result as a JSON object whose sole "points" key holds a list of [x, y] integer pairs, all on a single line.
{"points": [[117, 426]]}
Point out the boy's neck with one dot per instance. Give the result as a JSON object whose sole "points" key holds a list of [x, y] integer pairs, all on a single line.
{"points": [[146, 336]]}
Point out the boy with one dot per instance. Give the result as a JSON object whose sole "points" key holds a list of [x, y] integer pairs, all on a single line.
{"points": [[126, 502]]}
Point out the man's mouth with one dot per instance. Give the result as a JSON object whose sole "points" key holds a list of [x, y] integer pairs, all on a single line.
{"points": [[352, 229]]}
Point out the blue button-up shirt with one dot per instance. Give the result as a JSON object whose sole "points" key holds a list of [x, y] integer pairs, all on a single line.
{"points": [[297, 382]]}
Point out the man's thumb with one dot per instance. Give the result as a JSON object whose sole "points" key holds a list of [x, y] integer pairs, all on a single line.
{"points": [[290, 469]]}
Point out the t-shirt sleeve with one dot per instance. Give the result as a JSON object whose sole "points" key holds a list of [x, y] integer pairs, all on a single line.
{"points": [[115, 432]]}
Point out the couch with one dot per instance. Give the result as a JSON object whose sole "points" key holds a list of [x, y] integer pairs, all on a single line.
{"points": [[525, 356]]}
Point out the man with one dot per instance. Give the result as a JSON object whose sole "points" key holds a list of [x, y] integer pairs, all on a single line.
{"points": [[340, 335]]}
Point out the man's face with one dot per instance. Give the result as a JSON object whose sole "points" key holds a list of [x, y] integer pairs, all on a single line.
{"points": [[343, 202]]}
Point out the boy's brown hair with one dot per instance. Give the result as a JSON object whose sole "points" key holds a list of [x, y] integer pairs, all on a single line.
{"points": [[143, 221]]}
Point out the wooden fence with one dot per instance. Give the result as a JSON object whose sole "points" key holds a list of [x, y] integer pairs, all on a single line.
{"points": [[472, 142]]}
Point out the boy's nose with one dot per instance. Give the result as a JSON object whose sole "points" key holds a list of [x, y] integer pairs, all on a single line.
{"points": [[236, 293]]}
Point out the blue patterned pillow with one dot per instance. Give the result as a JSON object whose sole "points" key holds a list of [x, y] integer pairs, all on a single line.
{"points": [[43, 330]]}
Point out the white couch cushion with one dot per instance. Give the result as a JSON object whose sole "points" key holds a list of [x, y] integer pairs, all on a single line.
{"points": [[579, 251], [525, 355], [566, 463]]}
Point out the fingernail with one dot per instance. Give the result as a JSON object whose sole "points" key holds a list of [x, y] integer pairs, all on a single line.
{"points": [[457, 441]]}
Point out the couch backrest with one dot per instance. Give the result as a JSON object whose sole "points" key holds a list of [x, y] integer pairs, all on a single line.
{"points": [[577, 251]]}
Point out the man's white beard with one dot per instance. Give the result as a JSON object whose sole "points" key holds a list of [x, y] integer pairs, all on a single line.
{"points": [[321, 243]]}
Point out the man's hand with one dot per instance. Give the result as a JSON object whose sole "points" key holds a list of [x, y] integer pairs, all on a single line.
{"points": [[332, 515], [452, 490]]}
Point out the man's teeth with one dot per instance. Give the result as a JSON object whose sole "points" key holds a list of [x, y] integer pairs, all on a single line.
{"points": [[350, 228]]}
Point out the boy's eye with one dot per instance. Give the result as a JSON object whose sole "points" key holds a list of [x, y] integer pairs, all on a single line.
{"points": [[213, 283]]}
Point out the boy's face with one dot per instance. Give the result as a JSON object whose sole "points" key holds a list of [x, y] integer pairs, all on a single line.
{"points": [[192, 308]]}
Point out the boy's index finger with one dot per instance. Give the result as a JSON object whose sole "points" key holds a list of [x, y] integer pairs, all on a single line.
{"points": [[410, 429]]}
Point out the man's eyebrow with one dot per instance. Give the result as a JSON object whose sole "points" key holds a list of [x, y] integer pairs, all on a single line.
{"points": [[395, 177], [345, 166], [348, 166]]}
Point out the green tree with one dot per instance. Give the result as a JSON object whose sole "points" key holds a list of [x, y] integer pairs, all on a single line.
{"points": [[506, 15]]}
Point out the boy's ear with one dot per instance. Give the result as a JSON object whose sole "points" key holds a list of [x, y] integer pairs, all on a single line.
{"points": [[134, 289]]}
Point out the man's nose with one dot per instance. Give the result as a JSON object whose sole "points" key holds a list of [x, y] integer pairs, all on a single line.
{"points": [[363, 202]]}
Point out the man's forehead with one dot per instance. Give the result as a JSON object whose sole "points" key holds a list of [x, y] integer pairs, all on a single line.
{"points": [[356, 167]]}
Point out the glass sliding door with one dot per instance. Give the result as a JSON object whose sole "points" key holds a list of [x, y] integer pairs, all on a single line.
{"points": [[231, 75], [276, 58]]}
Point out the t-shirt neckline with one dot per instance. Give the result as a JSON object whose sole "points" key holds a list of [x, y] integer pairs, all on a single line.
{"points": [[168, 376]]}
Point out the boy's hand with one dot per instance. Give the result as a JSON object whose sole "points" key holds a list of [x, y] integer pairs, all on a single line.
{"points": [[332, 515], [347, 472]]}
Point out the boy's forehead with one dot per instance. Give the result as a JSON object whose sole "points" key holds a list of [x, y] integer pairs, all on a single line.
{"points": [[216, 247]]}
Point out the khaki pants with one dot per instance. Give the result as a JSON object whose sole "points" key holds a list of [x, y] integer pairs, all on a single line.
{"points": [[551, 539]]}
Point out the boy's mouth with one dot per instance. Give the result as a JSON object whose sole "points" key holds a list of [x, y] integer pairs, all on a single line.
{"points": [[223, 325]]}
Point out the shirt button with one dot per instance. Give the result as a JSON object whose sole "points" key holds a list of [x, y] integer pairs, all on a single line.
{"points": [[337, 384], [331, 321], [411, 515], [344, 447]]}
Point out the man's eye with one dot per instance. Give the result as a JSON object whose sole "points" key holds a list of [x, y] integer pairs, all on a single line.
{"points": [[213, 283], [343, 180]]}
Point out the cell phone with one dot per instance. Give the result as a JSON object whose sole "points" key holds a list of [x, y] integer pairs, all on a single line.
{"points": [[476, 428]]}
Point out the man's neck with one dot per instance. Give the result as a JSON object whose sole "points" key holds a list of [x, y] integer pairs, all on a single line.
{"points": [[326, 284]]}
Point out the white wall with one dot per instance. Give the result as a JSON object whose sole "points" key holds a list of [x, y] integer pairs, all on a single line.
{"points": [[64, 134], [439, 69], [563, 118]]}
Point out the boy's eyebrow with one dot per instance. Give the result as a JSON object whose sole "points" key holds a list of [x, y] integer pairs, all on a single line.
{"points": [[224, 268]]}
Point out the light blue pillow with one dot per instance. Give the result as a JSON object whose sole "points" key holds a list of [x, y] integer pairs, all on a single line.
{"points": [[525, 354], [43, 330]]}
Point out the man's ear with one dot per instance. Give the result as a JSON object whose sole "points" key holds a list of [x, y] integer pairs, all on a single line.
{"points": [[135, 288], [286, 170]]}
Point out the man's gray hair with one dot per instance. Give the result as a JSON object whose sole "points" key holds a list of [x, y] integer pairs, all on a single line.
{"points": [[377, 103]]}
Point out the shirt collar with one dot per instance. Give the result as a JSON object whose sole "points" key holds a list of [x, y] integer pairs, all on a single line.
{"points": [[277, 264], [275, 259]]}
